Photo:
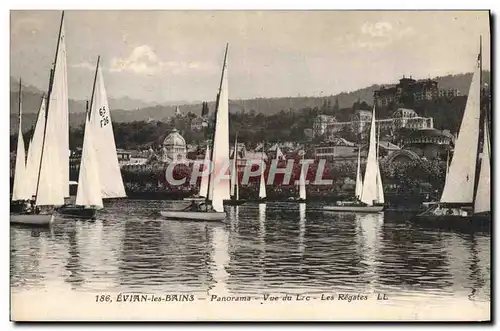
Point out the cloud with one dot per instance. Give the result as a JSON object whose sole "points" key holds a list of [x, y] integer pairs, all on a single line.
{"points": [[83, 65], [379, 35], [378, 29], [143, 60]]}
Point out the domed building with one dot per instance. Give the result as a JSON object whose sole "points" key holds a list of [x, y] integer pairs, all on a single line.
{"points": [[174, 148]]}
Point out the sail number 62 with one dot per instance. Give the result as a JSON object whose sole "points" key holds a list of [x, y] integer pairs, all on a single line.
{"points": [[104, 118]]}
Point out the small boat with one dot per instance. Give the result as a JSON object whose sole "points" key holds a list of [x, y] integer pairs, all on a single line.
{"points": [[48, 175], [302, 188], [355, 208], [88, 196], [194, 215], [32, 219], [262, 184], [465, 202], [195, 199], [235, 188], [369, 193], [218, 188]]}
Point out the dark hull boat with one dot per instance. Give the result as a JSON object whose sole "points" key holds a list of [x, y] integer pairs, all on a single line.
{"points": [[454, 222], [77, 212], [234, 202], [465, 201]]}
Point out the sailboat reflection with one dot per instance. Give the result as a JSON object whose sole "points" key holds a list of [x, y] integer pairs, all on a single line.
{"points": [[302, 227], [220, 259], [234, 216], [368, 233], [469, 265]]}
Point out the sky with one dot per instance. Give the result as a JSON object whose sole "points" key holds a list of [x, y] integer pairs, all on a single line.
{"points": [[167, 56]]}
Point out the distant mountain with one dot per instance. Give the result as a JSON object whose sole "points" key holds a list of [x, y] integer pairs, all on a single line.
{"points": [[129, 110]]}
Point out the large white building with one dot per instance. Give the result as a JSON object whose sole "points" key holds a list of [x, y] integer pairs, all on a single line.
{"points": [[361, 121], [174, 148]]}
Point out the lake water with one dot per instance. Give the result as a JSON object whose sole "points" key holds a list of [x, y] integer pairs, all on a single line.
{"points": [[275, 248]]}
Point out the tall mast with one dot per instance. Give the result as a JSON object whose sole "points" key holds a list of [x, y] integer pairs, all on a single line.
{"points": [[20, 105], [216, 111], [480, 64], [235, 160], [93, 86], [49, 92]]}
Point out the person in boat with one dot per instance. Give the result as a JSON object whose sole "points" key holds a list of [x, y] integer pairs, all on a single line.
{"points": [[193, 206]]}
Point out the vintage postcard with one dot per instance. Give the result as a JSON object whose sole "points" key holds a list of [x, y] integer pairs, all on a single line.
{"points": [[203, 165]]}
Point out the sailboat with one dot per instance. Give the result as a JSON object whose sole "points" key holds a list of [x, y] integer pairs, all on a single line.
{"points": [[235, 187], [99, 165], [371, 199], [203, 192], [302, 187], [20, 190], [218, 188], [52, 173], [465, 202], [262, 183], [88, 196]]}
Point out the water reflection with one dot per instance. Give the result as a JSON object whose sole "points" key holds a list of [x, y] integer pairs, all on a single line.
{"points": [[302, 227], [369, 230], [264, 247], [219, 259]]}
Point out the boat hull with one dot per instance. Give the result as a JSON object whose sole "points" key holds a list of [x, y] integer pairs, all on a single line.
{"points": [[195, 199], [194, 215], [32, 219], [354, 209], [453, 222], [77, 212], [233, 202]]}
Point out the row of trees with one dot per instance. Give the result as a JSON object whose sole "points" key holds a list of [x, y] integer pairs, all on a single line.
{"points": [[253, 127], [398, 177]]}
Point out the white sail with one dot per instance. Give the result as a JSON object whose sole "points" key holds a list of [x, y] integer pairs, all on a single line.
{"points": [[370, 190], [50, 189], [89, 188], [219, 184], [234, 173], [104, 142], [262, 187], [302, 184], [204, 179], [380, 188], [482, 201], [359, 182], [459, 186], [58, 106], [53, 181], [35, 150], [19, 190]]}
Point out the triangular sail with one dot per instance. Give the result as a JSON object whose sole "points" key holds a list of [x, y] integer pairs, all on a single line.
{"points": [[359, 182], [89, 188], [19, 190], [59, 106], [262, 187], [380, 188], [49, 189], [35, 150], [104, 142], [219, 184], [459, 186], [482, 201], [204, 179], [302, 183], [370, 190]]}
